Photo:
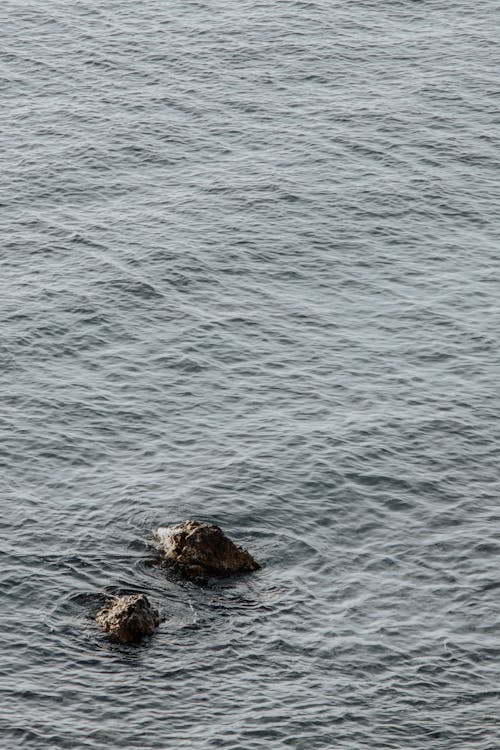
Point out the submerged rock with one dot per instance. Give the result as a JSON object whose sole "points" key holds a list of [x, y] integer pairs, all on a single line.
{"points": [[198, 549], [128, 618]]}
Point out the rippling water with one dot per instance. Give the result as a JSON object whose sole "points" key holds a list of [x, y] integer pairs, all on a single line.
{"points": [[249, 274]]}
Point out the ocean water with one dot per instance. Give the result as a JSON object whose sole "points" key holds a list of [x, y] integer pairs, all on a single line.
{"points": [[249, 273]]}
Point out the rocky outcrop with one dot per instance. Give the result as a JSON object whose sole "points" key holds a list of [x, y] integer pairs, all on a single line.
{"points": [[127, 619], [200, 549]]}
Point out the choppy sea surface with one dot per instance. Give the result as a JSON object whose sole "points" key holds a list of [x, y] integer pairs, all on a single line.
{"points": [[249, 273]]}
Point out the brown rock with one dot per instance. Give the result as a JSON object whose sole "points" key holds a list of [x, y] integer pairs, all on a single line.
{"points": [[128, 618], [197, 549]]}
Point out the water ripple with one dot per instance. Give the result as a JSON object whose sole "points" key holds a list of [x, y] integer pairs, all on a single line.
{"points": [[249, 274]]}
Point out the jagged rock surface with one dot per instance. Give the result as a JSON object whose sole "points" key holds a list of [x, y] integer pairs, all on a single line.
{"points": [[128, 618], [198, 549]]}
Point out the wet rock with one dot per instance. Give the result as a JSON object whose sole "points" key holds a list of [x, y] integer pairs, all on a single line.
{"points": [[199, 549], [128, 618]]}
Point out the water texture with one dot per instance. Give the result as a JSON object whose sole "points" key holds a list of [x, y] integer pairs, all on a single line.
{"points": [[249, 274]]}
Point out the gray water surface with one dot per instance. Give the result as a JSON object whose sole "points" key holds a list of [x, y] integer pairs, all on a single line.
{"points": [[249, 273]]}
